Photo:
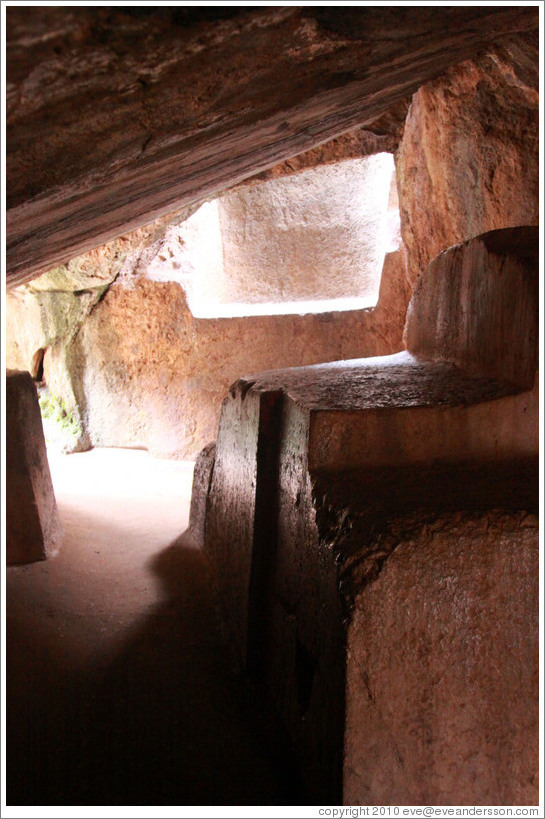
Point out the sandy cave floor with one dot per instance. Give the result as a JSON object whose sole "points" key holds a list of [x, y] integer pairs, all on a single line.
{"points": [[118, 687]]}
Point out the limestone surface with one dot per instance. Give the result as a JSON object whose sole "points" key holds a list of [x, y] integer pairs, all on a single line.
{"points": [[202, 477], [319, 235], [299, 512], [152, 375], [323, 476]]}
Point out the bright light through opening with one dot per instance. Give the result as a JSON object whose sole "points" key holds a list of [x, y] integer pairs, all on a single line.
{"points": [[308, 243]]}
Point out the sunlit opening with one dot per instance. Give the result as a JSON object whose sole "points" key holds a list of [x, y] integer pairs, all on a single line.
{"points": [[308, 243]]}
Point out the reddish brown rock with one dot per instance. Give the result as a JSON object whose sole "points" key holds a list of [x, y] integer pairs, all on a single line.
{"points": [[142, 371], [311, 465], [134, 365], [352, 145], [33, 530], [468, 161], [320, 473], [141, 350], [442, 668], [391, 309], [476, 305], [177, 107]]}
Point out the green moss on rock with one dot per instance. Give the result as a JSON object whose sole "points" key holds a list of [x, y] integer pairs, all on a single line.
{"points": [[54, 410]]}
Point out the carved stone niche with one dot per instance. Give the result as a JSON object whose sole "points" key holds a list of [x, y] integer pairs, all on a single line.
{"points": [[33, 530]]}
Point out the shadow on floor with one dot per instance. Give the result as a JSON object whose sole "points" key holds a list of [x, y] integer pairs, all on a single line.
{"points": [[167, 722]]}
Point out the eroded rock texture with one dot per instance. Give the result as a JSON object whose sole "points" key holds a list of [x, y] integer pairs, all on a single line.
{"points": [[442, 667], [177, 106], [191, 129], [343, 491], [33, 530], [467, 161], [202, 476], [44, 318], [319, 235], [354, 144]]}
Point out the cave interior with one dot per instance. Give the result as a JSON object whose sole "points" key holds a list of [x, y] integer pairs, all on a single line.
{"points": [[299, 247]]}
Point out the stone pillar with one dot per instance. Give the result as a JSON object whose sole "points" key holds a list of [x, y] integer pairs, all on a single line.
{"points": [[33, 529]]}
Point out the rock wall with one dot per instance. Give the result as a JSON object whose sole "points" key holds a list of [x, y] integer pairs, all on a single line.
{"points": [[127, 364], [313, 466], [44, 318], [467, 163], [147, 373], [367, 492], [318, 236]]}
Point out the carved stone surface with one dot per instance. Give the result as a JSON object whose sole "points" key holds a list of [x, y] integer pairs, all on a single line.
{"points": [[202, 477], [33, 529], [327, 476], [476, 305], [311, 466], [442, 668]]}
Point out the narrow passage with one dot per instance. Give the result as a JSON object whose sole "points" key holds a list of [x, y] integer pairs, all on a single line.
{"points": [[118, 687]]}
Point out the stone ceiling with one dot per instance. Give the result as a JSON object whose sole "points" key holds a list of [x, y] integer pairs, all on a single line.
{"points": [[118, 116]]}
